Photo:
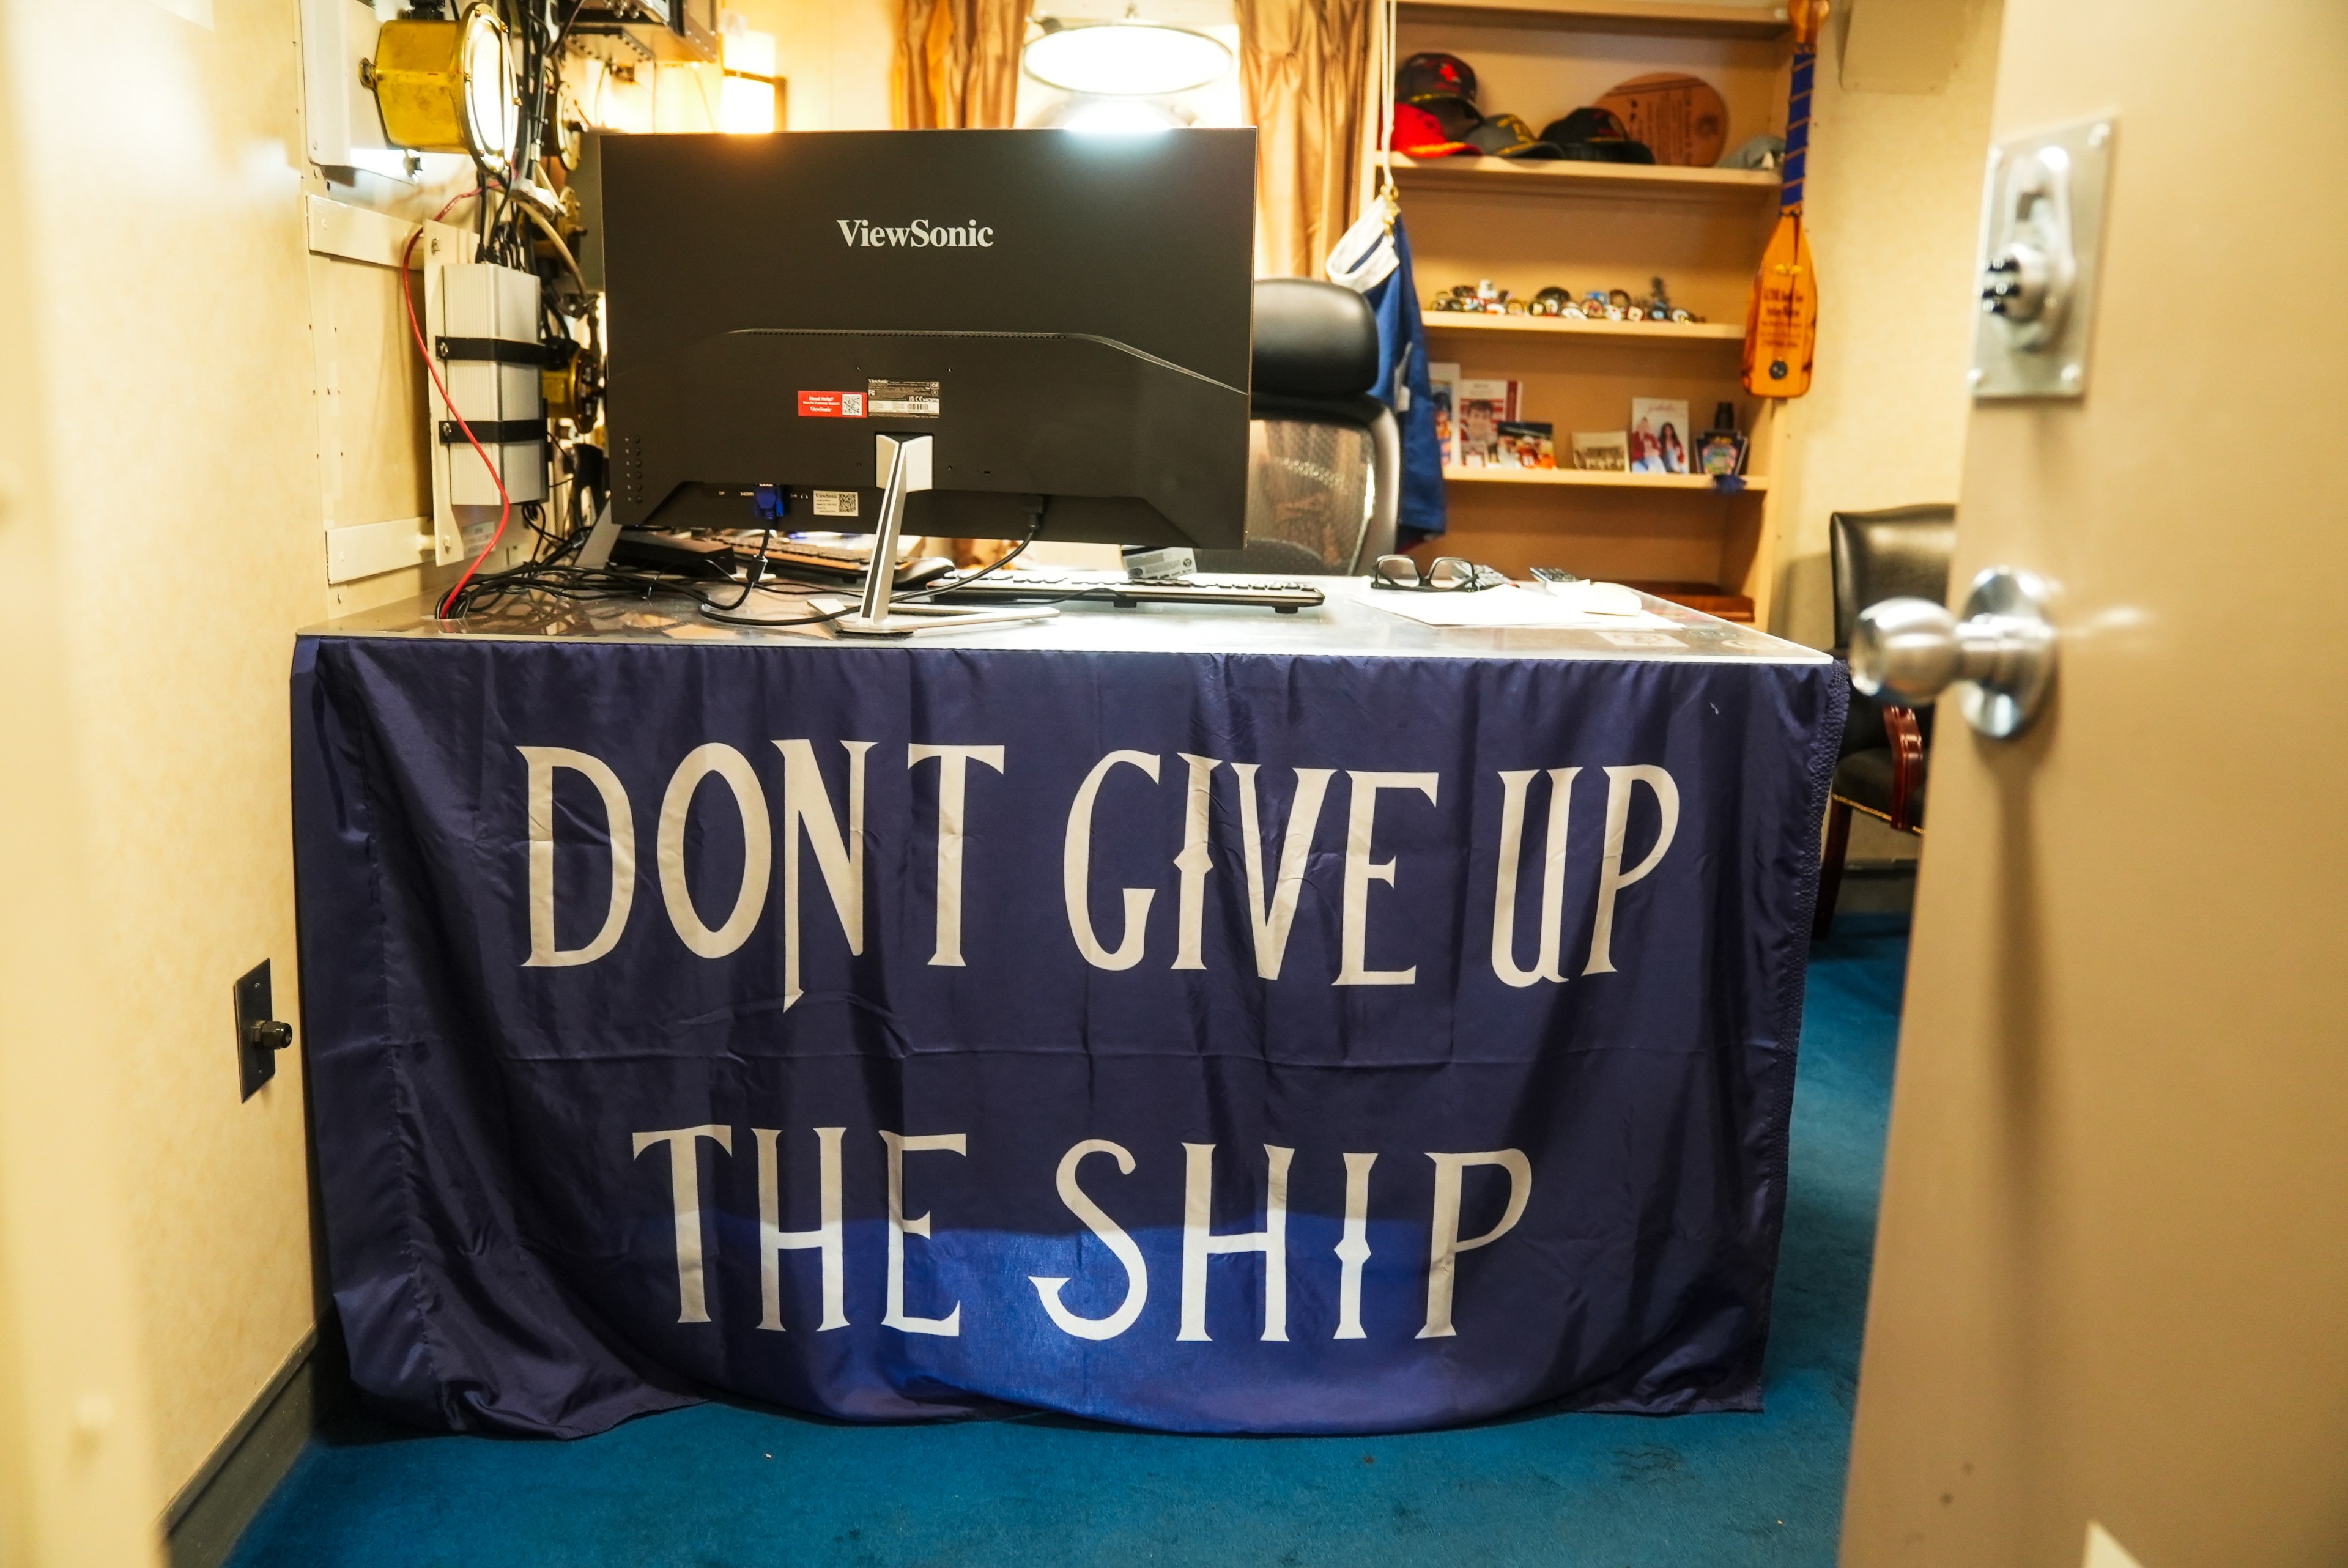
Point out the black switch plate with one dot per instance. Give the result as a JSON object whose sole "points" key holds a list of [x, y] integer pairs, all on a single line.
{"points": [[259, 1035]]}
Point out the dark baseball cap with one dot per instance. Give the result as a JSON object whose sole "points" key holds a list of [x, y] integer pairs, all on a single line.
{"points": [[1508, 136], [1430, 75], [1595, 136]]}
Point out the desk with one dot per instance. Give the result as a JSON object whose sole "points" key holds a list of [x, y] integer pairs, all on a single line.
{"points": [[1208, 1020]]}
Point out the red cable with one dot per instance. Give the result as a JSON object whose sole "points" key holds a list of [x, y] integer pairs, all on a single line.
{"points": [[505, 502]]}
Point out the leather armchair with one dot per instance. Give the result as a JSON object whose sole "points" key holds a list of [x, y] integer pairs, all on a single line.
{"points": [[1324, 458], [1884, 769]]}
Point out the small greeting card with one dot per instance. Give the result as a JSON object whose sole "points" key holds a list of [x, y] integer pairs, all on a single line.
{"points": [[1443, 387], [1484, 405], [1659, 436], [1525, 444], [1606, 451]]}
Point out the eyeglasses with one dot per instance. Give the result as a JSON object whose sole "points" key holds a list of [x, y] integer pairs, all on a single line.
{"points": [[1443, 574]]}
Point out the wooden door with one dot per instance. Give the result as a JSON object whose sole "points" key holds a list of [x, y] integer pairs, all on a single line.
{"points": [[2111, 1282]]}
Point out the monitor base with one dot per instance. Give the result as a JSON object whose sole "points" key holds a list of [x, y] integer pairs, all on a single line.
{"points": [[903, 466], [908, 620]]}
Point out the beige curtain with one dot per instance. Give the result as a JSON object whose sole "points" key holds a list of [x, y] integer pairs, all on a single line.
{"points": [[1305, 76], [957, 63]]}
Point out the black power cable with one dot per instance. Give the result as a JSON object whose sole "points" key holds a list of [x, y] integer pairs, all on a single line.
{"points": [[911, 596], [555, 580]]}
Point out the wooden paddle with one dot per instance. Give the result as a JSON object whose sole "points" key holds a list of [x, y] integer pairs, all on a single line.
{"points": [[1781, 320]]}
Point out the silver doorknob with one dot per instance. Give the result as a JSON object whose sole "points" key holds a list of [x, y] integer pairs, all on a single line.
{"points": [[1999, 658]]}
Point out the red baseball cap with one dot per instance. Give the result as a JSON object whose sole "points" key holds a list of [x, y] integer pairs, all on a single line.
{"points": [[1418, 134]]}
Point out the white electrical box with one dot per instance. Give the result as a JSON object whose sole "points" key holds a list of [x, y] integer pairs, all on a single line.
{"points": [[338, 113], [2041, 245], [342, 126], [481, 326]]}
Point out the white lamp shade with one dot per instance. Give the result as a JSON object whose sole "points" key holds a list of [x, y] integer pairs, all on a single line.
{"points": [[1127, 59]]}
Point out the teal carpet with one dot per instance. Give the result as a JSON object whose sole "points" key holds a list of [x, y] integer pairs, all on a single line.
{"points": [[717, 1486]]}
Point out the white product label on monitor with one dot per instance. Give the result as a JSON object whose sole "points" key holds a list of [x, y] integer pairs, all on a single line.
{"points": [[905, 399], [835, 503]]}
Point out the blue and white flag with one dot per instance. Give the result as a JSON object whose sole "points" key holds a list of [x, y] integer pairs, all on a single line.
{"points": [[1213, 1042]]}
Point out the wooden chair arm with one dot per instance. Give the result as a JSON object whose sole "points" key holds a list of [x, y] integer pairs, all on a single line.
{"points": [[1907, 738]]}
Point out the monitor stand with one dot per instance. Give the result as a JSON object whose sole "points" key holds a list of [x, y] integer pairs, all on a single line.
{"points": [[904, 463]]}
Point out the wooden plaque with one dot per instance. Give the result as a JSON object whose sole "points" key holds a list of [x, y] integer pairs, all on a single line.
{"points": [[1681, 118]]}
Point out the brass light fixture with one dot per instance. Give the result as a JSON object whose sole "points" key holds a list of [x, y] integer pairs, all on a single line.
{"points": [[447, 87]]}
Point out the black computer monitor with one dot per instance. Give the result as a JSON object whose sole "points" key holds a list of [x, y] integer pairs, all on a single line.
{"points": [[1067, 313]]}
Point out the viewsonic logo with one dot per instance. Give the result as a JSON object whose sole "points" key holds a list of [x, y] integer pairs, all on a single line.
{"points": [[921, 233]]}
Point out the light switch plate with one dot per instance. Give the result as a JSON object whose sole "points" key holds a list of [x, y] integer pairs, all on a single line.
{"points": [[256, 1062], [2041, 244]]}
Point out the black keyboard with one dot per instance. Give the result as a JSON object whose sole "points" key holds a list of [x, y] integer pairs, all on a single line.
{"points": [[1286, 594], [807, 557]]}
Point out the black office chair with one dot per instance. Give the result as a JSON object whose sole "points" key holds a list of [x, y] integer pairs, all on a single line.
{"points": [[1324, 458], [1900, 553]]}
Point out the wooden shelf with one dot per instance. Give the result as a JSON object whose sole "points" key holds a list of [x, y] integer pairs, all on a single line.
{"points": [[1568, 177], [1610, 479], [1571, 326], [1708, 597], [1524, 222], [1599, 16]]}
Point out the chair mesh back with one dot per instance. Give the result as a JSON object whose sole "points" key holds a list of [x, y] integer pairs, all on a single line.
{"points": [[1310, 489]]}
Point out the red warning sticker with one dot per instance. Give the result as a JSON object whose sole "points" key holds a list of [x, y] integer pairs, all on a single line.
{"points": [[831, 404]]}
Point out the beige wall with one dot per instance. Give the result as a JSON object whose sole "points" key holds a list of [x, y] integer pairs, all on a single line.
{"points": [[178, 362], [1894, 207], [172, 499], [836, 55], [161, 516], [74, 1480], [190, 398]]}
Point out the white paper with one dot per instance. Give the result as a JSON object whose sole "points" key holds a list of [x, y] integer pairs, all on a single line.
{"points": [[1597, 598], [1508, 607]]}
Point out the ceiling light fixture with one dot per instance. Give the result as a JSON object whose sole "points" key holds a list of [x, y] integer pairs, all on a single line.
{"points": [[1131, 58]]}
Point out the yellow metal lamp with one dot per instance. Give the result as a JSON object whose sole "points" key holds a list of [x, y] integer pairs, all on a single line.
{"points": [[447, 87]]}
